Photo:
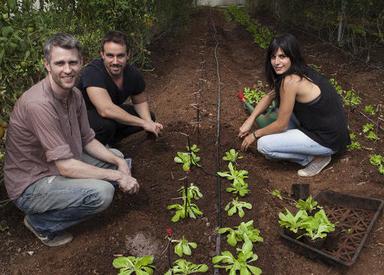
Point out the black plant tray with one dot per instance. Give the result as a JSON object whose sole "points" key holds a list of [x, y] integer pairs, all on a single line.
{"points": [[354, 218]]}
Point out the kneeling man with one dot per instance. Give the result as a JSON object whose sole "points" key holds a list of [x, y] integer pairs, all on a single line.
{"points": [[107, 83], [56, 172]]}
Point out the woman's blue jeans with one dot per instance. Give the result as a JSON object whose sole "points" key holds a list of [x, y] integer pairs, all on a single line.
{"points": [[55, 203], [292, 145]]}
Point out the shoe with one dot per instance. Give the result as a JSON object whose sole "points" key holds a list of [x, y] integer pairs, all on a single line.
{"points": [[57, 240], [314, 167]]}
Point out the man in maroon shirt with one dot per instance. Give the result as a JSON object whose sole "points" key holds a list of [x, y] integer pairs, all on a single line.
{"points": [[56, 172]]}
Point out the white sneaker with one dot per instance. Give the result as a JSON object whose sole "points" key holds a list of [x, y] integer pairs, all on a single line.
{"points": [[314, 167]]}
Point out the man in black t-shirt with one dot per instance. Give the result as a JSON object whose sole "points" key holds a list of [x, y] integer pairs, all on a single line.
{"points": [[106, 83]]}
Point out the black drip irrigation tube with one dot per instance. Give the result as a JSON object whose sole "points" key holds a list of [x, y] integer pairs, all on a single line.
{"points": [[217, 142]]}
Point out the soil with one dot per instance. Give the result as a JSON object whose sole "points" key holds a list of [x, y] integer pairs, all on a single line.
{"points": [[185, 73]]}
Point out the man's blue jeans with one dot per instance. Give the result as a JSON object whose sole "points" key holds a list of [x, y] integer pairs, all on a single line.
{"points": [[292, 145], [55, 203]]}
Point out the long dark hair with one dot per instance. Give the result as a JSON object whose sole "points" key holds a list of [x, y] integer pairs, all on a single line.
{"points": [[291, 48]]}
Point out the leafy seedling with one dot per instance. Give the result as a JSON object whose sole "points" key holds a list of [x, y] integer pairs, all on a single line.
{"points": [[233, 174], [369, 131], [240, 264], [277, 194], [240, 232], [292, 222], [378, 161], [232, 155], [183, 247], [236, 206], [317, 226], [184, 267], [188, 159], [351, 98], [370, 110], [134, 265], [355, 145], [238, 188], [308, 205]]}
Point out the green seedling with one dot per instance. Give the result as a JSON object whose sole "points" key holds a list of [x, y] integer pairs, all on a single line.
{"points": [[253, 96], [236, 206], [183, 247], [292, 222], [337, 86], [240, 264], [308, 205], [238, 188], [277, 194], [187, 209], [232, 155], [134, 265], [378, 161], [370, 110], [369, 131], [233, 174], [318, 226], [241, 232], [351, 98], [184, 267], [355, 145], [188, 159]]}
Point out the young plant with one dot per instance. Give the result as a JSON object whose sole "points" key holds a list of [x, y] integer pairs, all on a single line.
{"points": [[241, 232], [308, 205], [318, 226], [369, 131], [236, 206], [351, 98], [253, 96], [355, 145], [134, 265], [238, 188], [292, 222], [187, 209], [370, 110], [232, 155], [240, 264], [183, 247], [233, 174], [188, 159], [277, 194], [184, 267], [378, 161]]}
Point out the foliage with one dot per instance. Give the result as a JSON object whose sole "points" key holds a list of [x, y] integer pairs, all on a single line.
{"points": [[262, 35], [292, 222], [277, 194], [378, 161], [184, 267], [187, 208], [188, 159], [308, 205], [134, 265], [232, 155], [355, 145], [369, 131], [253, 95], [233, 174], [351, 98], [236, 206], [183, 247], [241, 263], [370, 110], [240, 232], [317, 226]]}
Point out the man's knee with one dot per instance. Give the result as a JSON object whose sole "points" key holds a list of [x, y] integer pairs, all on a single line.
{"points": [[101, 196]]}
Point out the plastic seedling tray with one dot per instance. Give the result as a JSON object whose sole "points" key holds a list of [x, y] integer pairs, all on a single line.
{"points": [[354, 218]]}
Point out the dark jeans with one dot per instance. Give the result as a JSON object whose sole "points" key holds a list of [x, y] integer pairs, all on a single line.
{"points": [[109, 131]]}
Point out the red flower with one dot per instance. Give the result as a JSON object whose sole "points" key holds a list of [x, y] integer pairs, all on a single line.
{"points": [[169, 232], [240, 95]]}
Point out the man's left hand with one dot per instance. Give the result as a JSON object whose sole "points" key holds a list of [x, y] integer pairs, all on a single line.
{"points": [[153, 127]]}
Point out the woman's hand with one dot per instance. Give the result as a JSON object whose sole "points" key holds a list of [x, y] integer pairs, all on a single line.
{"points": [[245, 128], [248, 140]]}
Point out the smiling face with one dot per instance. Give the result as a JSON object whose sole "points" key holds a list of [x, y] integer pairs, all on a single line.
{"points": [[115, 58], [280, 62], [63, 67]]}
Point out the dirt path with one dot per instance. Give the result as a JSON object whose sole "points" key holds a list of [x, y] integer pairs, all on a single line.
{"points": [[136, 225]]}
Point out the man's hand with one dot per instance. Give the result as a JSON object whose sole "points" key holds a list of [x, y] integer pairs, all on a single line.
{"points": [[245, 128], [153, 127], [128, 184], [248, 140]]}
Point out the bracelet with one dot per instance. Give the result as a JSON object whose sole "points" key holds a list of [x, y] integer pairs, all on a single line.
{"points": [[254, 135]]}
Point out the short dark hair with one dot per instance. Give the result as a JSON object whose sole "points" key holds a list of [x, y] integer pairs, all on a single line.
{"points": [[291, 48], [116, 37], [62, 40]]}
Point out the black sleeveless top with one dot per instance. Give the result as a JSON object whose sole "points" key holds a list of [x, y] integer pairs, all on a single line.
{"points": [[323, 119]]}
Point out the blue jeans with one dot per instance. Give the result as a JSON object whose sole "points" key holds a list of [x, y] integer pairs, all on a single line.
{"points": [[55, 203], [292, 145]]}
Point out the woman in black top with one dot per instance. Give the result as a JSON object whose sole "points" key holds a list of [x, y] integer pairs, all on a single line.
{"points": [[311, 124]]}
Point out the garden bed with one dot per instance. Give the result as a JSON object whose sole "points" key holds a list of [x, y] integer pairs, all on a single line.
{"points": [[136, 225]]}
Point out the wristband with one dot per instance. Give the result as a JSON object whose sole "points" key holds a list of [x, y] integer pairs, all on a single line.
{"points": [[254, 135]]}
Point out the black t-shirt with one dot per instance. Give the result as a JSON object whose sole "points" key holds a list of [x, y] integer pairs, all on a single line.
{"points": [[96, 75], [323, 119]]}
